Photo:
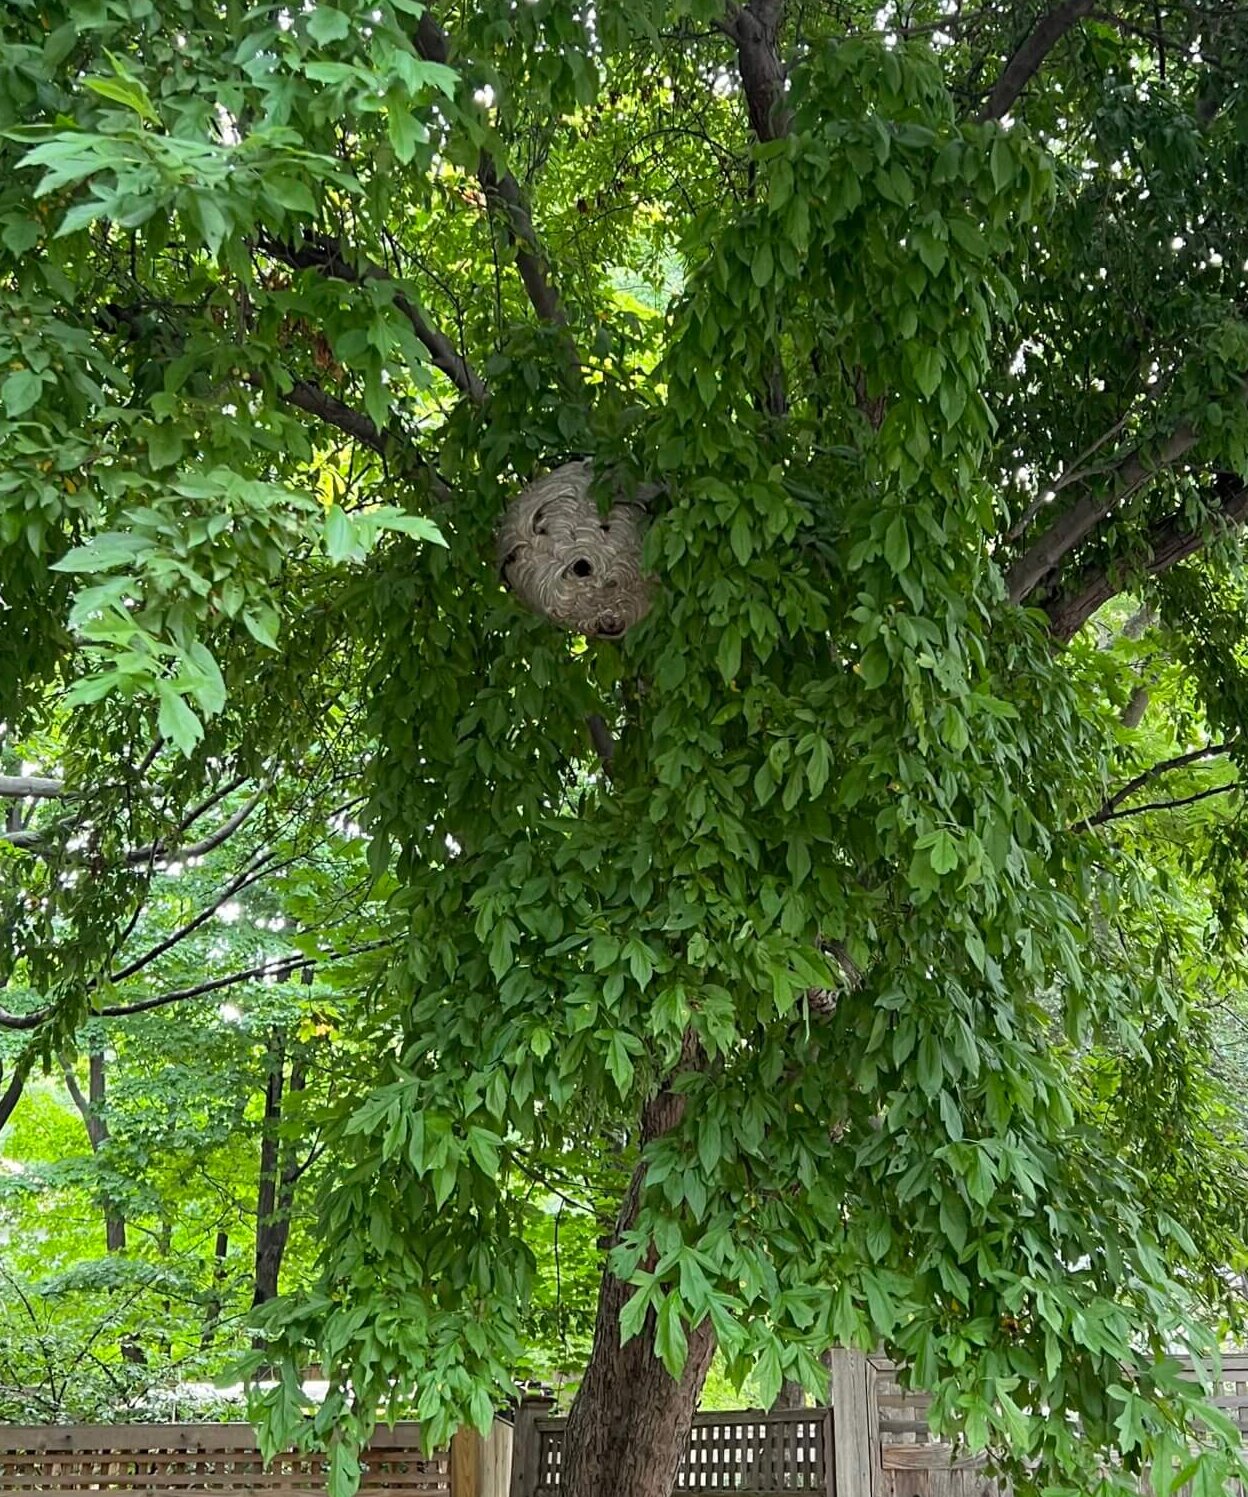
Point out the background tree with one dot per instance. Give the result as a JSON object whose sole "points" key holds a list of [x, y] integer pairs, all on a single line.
{"points": [[829, 942]]}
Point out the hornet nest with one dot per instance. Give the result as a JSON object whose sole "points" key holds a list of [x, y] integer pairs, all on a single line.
{"points": [[570, 563]]}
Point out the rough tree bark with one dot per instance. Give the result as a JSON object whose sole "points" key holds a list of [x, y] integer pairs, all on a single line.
{"points": [[630, 1422]]}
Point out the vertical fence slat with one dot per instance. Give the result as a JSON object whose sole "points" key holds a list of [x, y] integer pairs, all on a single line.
{"points": [[526, 1447]]}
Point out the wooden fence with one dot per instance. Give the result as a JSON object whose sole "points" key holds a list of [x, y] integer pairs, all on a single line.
{"points": [[747, 1451], [900, 1459], [872, 1442], [167, 1460]]}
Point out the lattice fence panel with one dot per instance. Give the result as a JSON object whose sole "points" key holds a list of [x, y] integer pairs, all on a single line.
{"points": [[765, 1455], [167, 1460]]}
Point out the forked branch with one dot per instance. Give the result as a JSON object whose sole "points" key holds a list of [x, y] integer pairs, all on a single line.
{"points": [[324, 253], [1075, 524], [1169, 542], [755, 28], [505, 195], [1030, 56]]}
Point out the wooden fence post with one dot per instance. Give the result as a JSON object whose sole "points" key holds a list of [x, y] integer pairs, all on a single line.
{"points": [[526, 1446], [466, 1464], [855, 1444]]}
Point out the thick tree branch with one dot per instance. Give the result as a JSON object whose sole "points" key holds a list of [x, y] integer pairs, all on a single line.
{"points": [[1170, 542], [1078, 522], [755, 29], [161, 849], [323, 253], [504, 194], [12, 1096], [30, 787], [327, 407], [604, 743], [205, 845], [1029, 58], [79, 1101]]}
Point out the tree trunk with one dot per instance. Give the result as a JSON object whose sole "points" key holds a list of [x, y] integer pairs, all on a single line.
{"points": [[279, 1174], [92, 1108], [791, 1396], [97, 1132], [212, 1311], [630, 1422]]}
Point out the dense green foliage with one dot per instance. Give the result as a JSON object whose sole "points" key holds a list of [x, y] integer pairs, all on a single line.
{"points": [[293, 301]]}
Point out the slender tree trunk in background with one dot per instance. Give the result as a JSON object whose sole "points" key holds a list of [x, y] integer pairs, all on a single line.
{"points": [[97, 1131], [212, 1311], [790, 1396], [630, 1422], [279, 1174], [164, 1244], [92, 1107]]}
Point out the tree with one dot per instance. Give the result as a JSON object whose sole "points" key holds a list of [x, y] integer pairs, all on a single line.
{"points": [[805, 909]]}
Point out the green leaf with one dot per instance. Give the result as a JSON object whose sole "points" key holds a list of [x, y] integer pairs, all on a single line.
{"points": [[164, 446], [210, 694], [874, 666], [326, 24], [92, 688], [969, 237], [728, 656], [483, 1146], [341, 540], [769, 1375], [633, 1315], [405, 131], [953, 1220], [344, 1469], [20, 392], [103, 553], [943, 853], [481, 1410], [419, 526], [20, 235], [620, 1063], [176, 721], [1001, 159], [261, 622], [740, 536], [897, 544], [127, 91], [931, 1066], [670, 1340]]}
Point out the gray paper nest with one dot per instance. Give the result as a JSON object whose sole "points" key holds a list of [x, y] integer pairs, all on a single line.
{"points": [[568, 562]]}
